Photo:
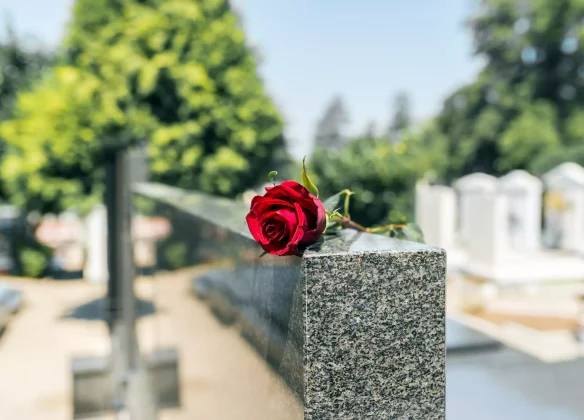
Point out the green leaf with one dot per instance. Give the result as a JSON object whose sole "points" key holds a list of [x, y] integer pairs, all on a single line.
{"points": [[332, 203], [263, 253], [330, 223], [306, 180], [414, 232], [271, 175], [410, 232]]}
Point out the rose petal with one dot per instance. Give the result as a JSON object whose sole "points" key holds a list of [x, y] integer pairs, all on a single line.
{"points": [[316, 230], [256, 229], [267, 204]]}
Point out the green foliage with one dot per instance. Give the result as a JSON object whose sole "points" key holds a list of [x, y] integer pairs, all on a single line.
{"points": [[533, 133], [32, 258], [548, 161], [143, 206], [175, 73], [19, 68], [381, 175], [408, 232], [175, 255], [34, 262], [527, 102]]}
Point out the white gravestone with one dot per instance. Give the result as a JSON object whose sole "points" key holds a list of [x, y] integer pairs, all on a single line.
{"points": [[564, 209], [436, 214], [470, 187], [96, 242], [488, 228], [524, 200]]}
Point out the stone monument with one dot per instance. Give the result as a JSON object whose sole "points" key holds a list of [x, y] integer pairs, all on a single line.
{"points": [[436, 214], [488, 228], [95, 270], [470, 187], [564, 209], [524, 205]]}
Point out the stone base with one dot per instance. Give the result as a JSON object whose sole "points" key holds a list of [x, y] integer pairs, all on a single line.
{"points": [[92, 382]]}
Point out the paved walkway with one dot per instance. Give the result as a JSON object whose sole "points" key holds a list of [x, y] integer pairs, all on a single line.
{"points": [[222, 378]]}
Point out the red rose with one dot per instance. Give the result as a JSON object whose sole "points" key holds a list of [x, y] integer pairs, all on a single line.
{"points": [[286, 219]]}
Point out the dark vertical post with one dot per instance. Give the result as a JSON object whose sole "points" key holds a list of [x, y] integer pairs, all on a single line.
{"points": [[126, 378], [132, 391], [112, 228], [121, 299]]}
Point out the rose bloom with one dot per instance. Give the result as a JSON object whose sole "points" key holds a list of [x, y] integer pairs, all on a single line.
{"points": [[286, 218]]}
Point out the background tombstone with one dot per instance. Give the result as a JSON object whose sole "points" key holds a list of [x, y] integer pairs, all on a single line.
{"points": [[524, 193], [436, 214], [470, 187], [564, 210], [488, 228], [95, 269]]}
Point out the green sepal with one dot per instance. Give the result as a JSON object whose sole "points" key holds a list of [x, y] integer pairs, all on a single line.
{"points": [[306, 180]]}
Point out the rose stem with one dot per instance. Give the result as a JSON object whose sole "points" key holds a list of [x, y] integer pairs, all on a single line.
{"points": [[346, 222], [346, 206]]}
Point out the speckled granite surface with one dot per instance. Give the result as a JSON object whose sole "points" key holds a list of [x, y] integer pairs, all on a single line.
{"points": [[374, 329]]}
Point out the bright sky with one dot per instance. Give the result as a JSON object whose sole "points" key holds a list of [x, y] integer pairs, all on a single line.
{"points": [[313, 49]]}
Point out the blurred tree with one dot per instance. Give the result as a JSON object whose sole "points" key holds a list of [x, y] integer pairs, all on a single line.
{"points": [[532, 133], [330, 130], [546, 162], [401, 119], [382, 175], [20, 67], [176, 73], [528, 100]]}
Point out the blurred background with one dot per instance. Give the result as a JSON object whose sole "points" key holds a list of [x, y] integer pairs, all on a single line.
{"points": [[465, 117]]}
